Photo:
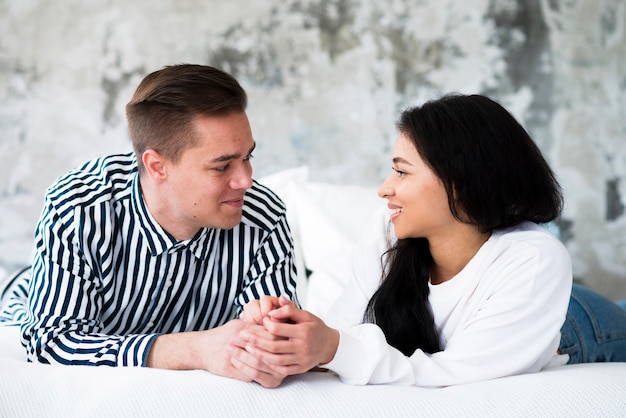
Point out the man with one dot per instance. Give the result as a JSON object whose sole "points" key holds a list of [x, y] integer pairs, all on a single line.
{"points": [[145, 259]]}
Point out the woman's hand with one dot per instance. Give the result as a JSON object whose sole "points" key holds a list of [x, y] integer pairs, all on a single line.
{"points": [[292, 341]]}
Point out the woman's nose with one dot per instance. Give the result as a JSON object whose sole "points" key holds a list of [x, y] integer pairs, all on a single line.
{"points": [[385, 190]]}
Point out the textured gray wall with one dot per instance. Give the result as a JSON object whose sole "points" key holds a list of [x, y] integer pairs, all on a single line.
{"points": [[326, 80]]}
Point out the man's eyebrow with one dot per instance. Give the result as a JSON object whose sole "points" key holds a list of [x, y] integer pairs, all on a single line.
{"points": [[400, 160], [229, 157]]}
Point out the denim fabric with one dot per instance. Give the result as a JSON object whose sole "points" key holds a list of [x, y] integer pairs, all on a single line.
{"points": [[594, 330]]}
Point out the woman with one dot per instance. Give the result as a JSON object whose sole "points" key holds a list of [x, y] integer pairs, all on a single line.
{"points": [[473, 288]]}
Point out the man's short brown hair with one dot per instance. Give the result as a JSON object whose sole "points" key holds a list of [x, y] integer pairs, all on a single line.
{"points": [[166, 102]]}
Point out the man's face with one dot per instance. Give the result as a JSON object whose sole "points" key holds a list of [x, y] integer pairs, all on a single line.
{"points": [[206, 186]]}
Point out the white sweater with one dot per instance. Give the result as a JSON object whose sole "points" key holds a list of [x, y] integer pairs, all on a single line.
{"points": [[500, 316]]}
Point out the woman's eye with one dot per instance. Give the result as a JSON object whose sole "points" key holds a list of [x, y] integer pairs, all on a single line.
{"points": [[400, 172]]}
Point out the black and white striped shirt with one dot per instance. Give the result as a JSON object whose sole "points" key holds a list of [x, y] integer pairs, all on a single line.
{"points": [[107, 279]]}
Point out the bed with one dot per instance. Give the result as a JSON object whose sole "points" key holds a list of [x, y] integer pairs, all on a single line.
{"points": [[325, 221]]}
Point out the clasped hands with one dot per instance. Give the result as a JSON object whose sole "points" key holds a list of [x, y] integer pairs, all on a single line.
{"points": [[280, 340]]}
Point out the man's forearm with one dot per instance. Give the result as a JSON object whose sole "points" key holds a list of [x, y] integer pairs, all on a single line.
{"points": [[175, 352], [197, 350]]}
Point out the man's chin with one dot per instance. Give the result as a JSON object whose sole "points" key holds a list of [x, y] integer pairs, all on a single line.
{"points": [[229, 223]]}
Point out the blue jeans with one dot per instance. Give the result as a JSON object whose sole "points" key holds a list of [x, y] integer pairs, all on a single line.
{"points": [[595, 328]]}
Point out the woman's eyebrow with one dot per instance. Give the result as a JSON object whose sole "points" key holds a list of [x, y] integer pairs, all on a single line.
{"points": [[400, 160]]}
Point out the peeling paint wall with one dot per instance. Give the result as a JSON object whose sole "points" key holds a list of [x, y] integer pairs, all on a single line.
{"points": [[326, 80]]}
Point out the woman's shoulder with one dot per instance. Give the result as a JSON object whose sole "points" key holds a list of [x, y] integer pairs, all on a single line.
{"points": [[530, 250], [531, 235]]}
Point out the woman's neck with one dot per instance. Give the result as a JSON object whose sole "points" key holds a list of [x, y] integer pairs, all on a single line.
{"points": [[452, 252]]}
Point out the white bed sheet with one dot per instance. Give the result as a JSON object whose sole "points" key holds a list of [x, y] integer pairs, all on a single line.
{"points": [[34, 390]]}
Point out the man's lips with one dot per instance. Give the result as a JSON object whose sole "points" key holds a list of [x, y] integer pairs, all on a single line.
{"points": [[236, 202]]}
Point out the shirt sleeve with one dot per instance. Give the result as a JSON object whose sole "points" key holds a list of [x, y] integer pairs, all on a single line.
{"points": [[273, 270], [513, 327], [63, 315], [13, 298]]}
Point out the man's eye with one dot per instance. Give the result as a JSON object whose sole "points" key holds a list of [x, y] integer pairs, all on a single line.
{"points": [[222, 168], [248, 157]]}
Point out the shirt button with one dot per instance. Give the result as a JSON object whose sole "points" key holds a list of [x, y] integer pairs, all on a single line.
{"points": [[150, 324], [168, 284]]}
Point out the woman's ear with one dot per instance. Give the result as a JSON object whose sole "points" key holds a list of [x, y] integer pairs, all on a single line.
{"points": [[155, 165]]}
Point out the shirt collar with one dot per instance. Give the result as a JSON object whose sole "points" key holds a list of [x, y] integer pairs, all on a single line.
{"points": [[159, 240]]}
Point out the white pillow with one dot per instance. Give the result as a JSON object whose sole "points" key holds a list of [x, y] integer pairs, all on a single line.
{"points": [[326, 221], [330, 221], [285, 184]]}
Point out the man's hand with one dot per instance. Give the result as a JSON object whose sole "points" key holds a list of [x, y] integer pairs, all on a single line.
{"points": [[248, 364], [291, 341], [255, 310], [207, 350]]}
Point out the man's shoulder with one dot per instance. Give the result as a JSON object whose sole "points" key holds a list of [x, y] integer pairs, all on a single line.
{"points": [[103, 178], [262, 207]]}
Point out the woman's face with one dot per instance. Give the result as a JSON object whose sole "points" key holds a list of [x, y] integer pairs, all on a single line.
{"points": [[417, 197]]}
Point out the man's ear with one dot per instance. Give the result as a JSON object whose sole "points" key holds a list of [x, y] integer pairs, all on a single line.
{"points": [[154, 164]]}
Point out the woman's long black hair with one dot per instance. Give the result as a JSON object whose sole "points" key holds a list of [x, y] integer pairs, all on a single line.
{"points": [[495, 177]]}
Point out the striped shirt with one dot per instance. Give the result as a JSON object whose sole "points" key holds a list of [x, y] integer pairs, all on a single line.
{"points": [[107, 279]]}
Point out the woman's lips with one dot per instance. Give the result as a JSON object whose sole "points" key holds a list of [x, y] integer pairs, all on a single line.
{"points": [[395, 211]]}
